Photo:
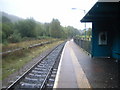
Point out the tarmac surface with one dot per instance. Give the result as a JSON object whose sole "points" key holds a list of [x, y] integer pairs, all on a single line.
{"points": [[79, 70]]}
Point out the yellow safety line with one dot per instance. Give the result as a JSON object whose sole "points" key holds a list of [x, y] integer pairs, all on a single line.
{"points": [[81, 78]]}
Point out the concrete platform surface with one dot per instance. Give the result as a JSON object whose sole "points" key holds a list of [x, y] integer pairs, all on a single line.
{"points": [[78, 70], [70, 73]]}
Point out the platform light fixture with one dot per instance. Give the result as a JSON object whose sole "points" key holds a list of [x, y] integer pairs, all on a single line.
{"points": [[84, 13]]}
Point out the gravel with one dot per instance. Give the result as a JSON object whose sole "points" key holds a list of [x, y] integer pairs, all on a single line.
{"points": [[47, 64], [6, 82]]}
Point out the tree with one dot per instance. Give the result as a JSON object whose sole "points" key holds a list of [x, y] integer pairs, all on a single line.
{"points": [[55, 29], [71, 31], [47, 29], [27, 27], [89, 32], [15, 37], [6, 20], [39, 29], [0, 32], [7, 28]]}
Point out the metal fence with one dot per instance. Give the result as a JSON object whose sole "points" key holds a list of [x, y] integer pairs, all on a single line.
{"points": [[85, 44]]}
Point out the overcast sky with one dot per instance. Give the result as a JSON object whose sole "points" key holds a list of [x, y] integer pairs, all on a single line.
{"points": [[46, 10]]}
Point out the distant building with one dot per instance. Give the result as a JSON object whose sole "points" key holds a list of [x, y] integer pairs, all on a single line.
{"points": [[105, 18]]}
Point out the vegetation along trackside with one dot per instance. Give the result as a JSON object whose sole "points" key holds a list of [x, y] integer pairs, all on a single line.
{"points": [[22, 33]]}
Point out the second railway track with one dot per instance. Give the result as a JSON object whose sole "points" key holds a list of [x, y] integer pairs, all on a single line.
{"points": [[41, 75]]}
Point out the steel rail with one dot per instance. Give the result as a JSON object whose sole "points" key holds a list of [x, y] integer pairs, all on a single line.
{"points": [[49, 73], [11, 87]]}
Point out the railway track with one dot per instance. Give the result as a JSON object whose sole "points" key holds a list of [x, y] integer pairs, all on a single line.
{"points": [[18, 49], [41, 75]]}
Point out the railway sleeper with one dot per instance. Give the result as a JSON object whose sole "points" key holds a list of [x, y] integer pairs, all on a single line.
{"points": [[36, 75], [28, 85], [33, 80]]}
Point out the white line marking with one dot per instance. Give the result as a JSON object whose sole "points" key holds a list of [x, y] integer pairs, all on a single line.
{"points": [[59, 68]]}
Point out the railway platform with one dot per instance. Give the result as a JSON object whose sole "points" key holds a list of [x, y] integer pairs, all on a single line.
{"points": [[78, 70]]}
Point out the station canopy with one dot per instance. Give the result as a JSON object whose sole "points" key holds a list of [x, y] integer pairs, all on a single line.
{"points": [[103, 11]]}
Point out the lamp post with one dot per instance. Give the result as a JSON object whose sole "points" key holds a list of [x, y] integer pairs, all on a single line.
{"points": [[84, 13]]}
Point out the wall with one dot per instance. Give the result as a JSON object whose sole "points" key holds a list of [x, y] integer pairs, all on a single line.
{"points": [[101, 50], [116, 42]]}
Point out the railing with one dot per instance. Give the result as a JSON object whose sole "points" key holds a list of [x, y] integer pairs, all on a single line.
{"points": [[85, 44]]}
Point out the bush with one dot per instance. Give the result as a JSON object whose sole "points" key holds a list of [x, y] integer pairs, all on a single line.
{"points": [[28, 39], [5, 42], [43, 37], [15, 37]]}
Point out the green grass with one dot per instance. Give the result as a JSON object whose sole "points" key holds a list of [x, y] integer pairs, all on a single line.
{"points": [[10, 46], [0, 69], [13, 62]]}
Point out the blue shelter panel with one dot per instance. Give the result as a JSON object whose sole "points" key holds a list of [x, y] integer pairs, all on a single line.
{"points": [[105, 18], [98, 49], [116, 43]]}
